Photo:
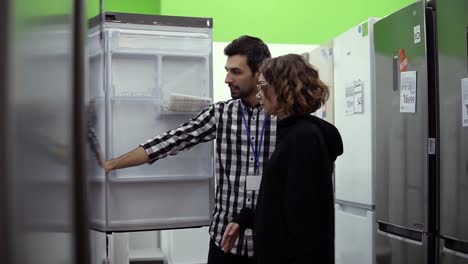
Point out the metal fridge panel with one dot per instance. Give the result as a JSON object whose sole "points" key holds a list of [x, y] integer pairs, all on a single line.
{"points": [[401, 138], [452, 40], [42, 197], [4, 83], [79, 178]]}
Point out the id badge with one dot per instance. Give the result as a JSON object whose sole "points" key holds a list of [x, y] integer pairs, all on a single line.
{"points": [[253, 182]]}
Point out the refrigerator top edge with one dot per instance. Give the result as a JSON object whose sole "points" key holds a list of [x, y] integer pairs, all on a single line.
{"points": [[412, 5], [151, 20], [360, 28]]}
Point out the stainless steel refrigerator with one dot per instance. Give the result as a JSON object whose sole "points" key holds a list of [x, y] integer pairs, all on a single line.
{"points": [[422, 132], [452, 46], [405, 136], [43, 216]]}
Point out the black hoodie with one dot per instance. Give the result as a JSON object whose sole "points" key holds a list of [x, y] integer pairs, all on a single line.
{"points": [[294, 218]]}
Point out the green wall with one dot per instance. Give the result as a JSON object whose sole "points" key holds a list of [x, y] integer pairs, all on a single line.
{"points": [[126, 6], [293, 21], [134, 6]]}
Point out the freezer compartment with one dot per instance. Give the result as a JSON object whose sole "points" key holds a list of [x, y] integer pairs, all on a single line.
{"points": [[354, 235], [453, 251], [154, 204], [397, 245], [157, 74], [163, 40]]}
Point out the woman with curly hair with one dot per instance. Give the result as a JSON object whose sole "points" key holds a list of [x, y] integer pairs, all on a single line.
{"points": [[293, 221]]}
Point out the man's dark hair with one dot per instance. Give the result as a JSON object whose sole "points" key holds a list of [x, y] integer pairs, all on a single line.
{"points": [[254, 48]]}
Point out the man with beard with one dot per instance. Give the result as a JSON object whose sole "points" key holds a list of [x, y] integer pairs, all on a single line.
{"points": [[244, 136]]}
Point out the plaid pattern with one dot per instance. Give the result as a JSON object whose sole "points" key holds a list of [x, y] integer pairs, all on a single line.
{"points": [[234, 158]]}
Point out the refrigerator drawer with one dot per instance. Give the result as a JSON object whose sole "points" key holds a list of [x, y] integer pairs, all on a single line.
{"points": [[148, 205], [395, 249], [354, 235], [453, 251]]}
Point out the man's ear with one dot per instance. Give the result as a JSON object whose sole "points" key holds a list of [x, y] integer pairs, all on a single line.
{"points": [[256, 76]]}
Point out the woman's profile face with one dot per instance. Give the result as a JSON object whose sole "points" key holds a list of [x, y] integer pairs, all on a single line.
{"points": [[267, 95]]}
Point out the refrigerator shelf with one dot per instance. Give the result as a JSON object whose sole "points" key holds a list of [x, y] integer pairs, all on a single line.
{"points": [[154, 99], [171, 178], [158, 53]]}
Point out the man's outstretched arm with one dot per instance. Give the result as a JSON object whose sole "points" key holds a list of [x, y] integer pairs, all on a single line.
{"points": [[133, 158]]}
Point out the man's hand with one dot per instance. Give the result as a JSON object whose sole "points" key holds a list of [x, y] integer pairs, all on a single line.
{"points": [[107, 166], [230, 237]]}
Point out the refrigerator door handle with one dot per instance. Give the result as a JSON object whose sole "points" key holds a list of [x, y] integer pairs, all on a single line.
{"points": [[455, 247], [396, 71], [400, 233]]}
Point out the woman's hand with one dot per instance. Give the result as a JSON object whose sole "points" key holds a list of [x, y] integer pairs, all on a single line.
{"points": [[230, 237]]}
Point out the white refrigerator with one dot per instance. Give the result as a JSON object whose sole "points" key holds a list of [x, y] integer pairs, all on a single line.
{"points": [[322, 60], [354, 113]]}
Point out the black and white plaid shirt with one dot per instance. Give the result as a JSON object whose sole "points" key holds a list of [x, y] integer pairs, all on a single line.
{"points": [[234, 158]]}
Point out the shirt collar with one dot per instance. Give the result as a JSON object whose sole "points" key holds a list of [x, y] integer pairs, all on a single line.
{"points": [[247, 108]]}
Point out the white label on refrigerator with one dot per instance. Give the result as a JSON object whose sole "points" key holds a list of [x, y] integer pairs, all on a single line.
{"points": [[349, 110], [358, 97], [417, 34], [408, 92], [465, 102]]}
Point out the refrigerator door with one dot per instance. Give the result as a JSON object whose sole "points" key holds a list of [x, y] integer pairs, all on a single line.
{"points": [[157, 76], [322, 59], [5, 47], [402, 132], [95, 110], [354, 88], [43, 189], [452, 40], [354, 235], [401, 137]]}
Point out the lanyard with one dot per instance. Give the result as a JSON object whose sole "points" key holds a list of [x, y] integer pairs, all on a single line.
{"points": [[256, 153]]}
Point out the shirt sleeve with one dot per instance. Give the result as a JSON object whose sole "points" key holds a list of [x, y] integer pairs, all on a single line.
{"points": [[201, 128], [308, 199], [91, 127], [245, 218]]}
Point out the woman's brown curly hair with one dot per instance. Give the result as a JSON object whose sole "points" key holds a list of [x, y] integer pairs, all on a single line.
{"points": [[297, 84]]}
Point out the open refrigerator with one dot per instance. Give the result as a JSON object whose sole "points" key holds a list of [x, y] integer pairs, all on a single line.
{"points": [[147, 74]]}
